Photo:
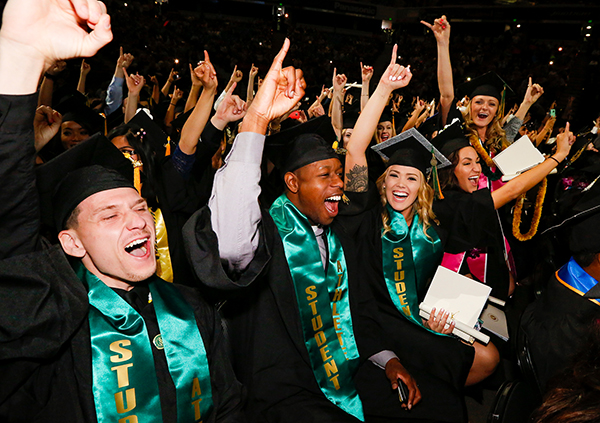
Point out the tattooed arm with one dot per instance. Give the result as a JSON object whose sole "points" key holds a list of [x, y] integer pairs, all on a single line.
{"points": [[356, 177]]}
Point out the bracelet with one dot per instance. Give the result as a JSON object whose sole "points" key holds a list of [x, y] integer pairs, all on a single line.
{"points": [[50, 76], [552, 157], [173, 104]]}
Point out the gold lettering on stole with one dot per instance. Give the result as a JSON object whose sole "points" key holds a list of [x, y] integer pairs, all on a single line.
{"points": [[312, 293], [121, 407], [122, 374], [124, 354], [196, 392], [399, 278], [335, 382], [324, 353], [320, 338], [317, 323], [313, 306]]}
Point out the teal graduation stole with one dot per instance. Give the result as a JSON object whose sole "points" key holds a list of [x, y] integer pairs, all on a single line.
{"points": [[409, 260], [323, 304], [572, 276], [124, 377]]}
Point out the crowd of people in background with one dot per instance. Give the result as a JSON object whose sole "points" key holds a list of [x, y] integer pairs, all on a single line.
{"points": [[232, 160]]}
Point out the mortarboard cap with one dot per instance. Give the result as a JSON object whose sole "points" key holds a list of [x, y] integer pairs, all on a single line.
{"points": [[410, 148], [386, 116], [73, 107], [350, 119], [302, 144], [93, 166], [452, 138], [430, 125], [151, 132], [488, 84]]}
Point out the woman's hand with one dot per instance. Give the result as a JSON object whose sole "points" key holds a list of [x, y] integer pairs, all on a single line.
{"points": [[437, 322], [440, 29], [564, 142], [395, 76], [533, 93]]}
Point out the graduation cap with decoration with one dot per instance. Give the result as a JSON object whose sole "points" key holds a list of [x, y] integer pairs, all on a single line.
{"points": [[489, 84], [152, 133], [90, 167], [410, 148], [583, 226], [302, 144]]}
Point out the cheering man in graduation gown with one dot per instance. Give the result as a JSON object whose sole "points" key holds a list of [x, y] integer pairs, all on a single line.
{"points": [[302, 325], [95, 336]]}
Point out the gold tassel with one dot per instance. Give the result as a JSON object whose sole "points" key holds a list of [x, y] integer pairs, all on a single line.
{"points": [[137, 165], [168, 147]]}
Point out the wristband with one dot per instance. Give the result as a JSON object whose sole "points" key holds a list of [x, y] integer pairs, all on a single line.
{"points": [[50, 76], [552, 157]]}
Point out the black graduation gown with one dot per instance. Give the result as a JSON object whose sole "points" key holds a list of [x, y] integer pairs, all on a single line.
{"points": [[440, 364], [45, 358], [472, 222], [556, 325], [45, 348], [263, 320]]}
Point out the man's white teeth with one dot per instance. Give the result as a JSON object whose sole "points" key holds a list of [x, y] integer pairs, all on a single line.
{"points": [[334, 198], [136, 243]]}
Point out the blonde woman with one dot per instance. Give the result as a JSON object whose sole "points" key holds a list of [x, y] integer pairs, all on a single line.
{"points": [[402, 246]]}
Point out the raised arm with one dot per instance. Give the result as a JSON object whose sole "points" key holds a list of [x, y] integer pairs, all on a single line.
{"points": [[114, 93], [441, 31], [533, 93], [47, 86], [235, 212], [34, 35], [394, 77], [529, 179], [83, 73], [195, 90], [207, 77], [135, 83], [250, 90], [366, 74], [167, 87], [337, 104]]}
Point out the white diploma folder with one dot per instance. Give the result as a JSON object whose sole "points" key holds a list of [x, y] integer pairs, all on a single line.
{"points": [[517, 158], [462, 297]]}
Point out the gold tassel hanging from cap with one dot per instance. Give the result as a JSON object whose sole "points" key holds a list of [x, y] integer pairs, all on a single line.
{"points": [[168, 147], [137, 167]]}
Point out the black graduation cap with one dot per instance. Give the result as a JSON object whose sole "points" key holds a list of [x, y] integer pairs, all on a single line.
{"points": [[451, 138], [386, 116], [430, 125], [410, 148], [151, 132], [73, 107], [302, 145], [350, 119], [583, 223], [92, 166], [488, 84]]}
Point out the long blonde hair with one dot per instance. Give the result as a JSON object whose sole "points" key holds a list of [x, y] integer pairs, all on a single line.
{"points": [[495, 137], [422, 205]]}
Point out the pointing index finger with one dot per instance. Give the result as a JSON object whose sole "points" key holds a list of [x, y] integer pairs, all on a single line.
{"points": [[278, 61], [394, 54]]}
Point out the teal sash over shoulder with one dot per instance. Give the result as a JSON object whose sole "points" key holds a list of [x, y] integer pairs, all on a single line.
{"points": [[323, 304], [408, 260], [124, 378]]}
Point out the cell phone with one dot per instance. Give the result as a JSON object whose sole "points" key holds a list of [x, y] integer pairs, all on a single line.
{"points": [[402, 392], [553, 113]]}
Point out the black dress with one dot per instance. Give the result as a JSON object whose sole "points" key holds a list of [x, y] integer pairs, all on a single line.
{"points": [[472, 223]]}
